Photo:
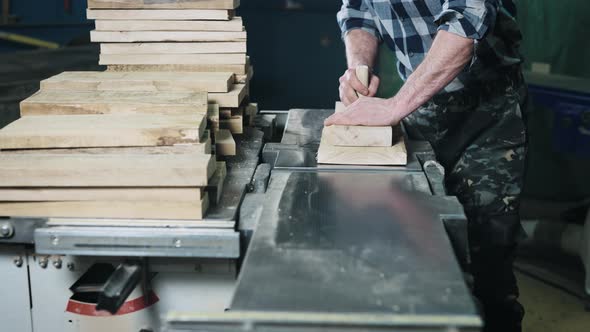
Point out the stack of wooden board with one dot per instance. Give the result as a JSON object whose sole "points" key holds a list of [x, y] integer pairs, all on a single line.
{"points": [[360, 145], [180, 36], [186, 35], [134, 141], [106, 154]]}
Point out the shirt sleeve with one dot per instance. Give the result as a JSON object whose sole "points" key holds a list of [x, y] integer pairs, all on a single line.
{"points": [[355, 14], [468, 18]]}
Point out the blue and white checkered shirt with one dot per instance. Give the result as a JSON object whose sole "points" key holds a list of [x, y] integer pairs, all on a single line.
{"points": [[408, 27]]}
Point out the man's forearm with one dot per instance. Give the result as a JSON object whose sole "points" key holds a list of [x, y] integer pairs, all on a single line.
{"points": [[446, 59], [361, 48]]}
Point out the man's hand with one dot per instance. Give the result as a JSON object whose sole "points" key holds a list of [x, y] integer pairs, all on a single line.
{"points": [[367, 111], [350, 85]]}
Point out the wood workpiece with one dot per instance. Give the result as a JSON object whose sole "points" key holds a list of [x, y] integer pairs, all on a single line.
{"points": [[234, 24], [105, 170], [140, 81], [173, 48], [79, 131], [159, 14], [166, 4], [165, 36], [361, 145], [49, 102]]}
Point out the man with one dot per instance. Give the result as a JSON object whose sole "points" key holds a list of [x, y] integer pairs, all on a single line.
{"points": [[464, 93]]}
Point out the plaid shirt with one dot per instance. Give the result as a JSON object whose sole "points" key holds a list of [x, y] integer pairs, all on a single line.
{"points": [[408, 27]]}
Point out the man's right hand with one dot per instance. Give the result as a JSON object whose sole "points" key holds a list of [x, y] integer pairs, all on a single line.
{"points": [[350, 85]]}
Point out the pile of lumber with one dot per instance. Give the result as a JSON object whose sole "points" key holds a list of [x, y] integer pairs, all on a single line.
{"points": [[130, 142], [179, 36], [360, 145]]}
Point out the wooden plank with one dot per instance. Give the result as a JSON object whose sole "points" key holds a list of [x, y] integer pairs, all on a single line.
{"points": [[160, 14], [245, 79], [375, 155], [213, 117], [251, 112], [174, 48], [358, 136], [105, 170], [180, 59], [114, 130], [167, 4], [224, 143], [215, 187], [108, 209], [234, 124], [181, 149], [234, 24], [233, 98], [165, 36], [139, 81], [236, 69], [100, 194], [47, 102]]}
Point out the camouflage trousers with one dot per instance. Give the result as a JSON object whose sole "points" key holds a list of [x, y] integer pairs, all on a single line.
{"points": [[479, 136]]}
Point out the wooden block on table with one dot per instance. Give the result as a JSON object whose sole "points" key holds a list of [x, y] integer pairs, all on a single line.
{"points": [[375, 155], [233, 98], [236, 69], [234, 124], [215, 187], [160, 14], [167, 4], [180, 59], [224, 143], [54, 102], [101, 194], [139, 81], [105, 170], [234, 24], [166, 36], [108, 209], [339, 107], [174, 48], [113, 130], [358, 136]]}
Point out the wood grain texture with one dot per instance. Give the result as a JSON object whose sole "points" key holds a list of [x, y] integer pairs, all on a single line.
{"points": [[50, 102], [179, 59], [167, 4], [165, 36], [234, 24], [139, 81], [108, 209], [236, 69], [174, 48], [79, 131], [100, 194], [160, 14], [233, 98], [105, 170], [344, 155], [225, 145], [181, 149], [358, 136]]}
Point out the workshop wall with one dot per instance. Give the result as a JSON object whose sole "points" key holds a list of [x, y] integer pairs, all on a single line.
{"points": [[60, 21]]}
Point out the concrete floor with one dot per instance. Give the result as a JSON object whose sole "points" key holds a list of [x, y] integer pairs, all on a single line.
{"points": [[549, 309]]}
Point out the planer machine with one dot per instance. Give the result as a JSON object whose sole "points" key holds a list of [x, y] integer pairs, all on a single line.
{"points": [[292, 246]]}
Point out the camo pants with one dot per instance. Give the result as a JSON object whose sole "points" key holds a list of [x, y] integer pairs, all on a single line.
{"points": [[479, 136]]}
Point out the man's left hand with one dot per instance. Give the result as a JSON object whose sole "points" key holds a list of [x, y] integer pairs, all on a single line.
{"points": [[366, 111]]}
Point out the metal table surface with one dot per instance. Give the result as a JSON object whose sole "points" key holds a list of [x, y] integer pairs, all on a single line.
{"points": [[348, 251], [215, 236], [351, 248]]}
